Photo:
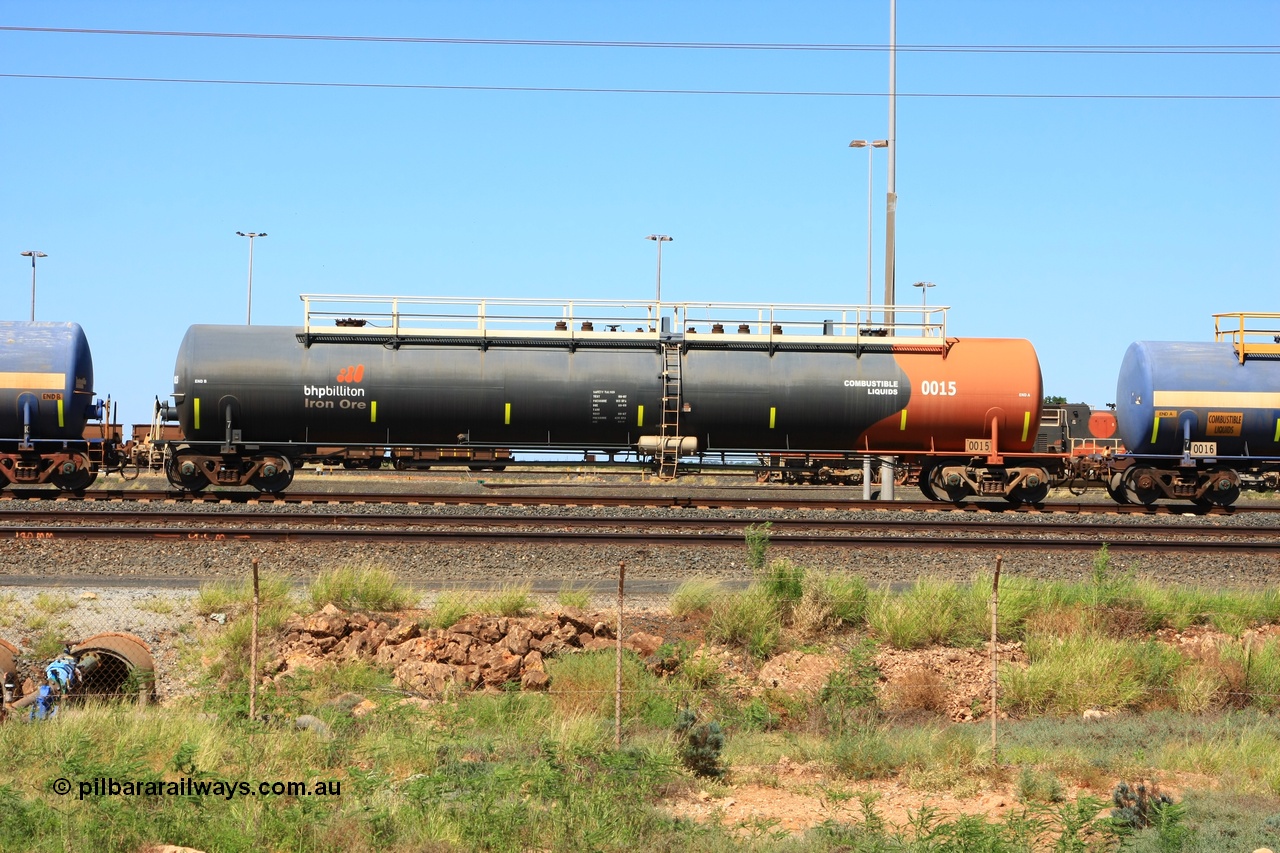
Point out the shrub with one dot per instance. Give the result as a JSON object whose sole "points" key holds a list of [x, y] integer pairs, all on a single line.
{"points": [[701, 745], [918, 689], [1036, 786]]}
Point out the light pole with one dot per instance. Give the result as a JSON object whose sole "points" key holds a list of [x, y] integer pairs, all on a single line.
{"points": [[248, 314], [871, 146], [924, 291], [33, 254], [659, 239], [924, 300]]}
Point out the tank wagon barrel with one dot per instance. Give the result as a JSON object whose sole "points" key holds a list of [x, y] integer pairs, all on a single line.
{"points": [[46, 404], [660, 381], [1196, 416]]}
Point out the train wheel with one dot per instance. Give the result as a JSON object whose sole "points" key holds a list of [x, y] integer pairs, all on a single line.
{"points": [[925, 483], [73, 479], [374, 464], [1225, 490], [950, 484], [275, 475], [1115, 488], [1142, 485], [184, 471]]}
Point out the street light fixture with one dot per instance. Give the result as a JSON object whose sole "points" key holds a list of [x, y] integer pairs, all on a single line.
{"points": [[871, 146], [33, 254], [248, 315], [924, 291], [659, 239]]}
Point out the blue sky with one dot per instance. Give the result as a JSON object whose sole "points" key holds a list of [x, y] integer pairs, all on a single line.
{"points": [[1081, 223]]}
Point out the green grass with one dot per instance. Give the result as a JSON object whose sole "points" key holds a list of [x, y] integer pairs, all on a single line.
{"points": [[516, 771], [361, 588], [571, 596], [53, 603], [508, 600], [696, 595]]}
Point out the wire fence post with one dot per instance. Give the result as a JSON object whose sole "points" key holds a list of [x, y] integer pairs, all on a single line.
{"points": [[995, 678], [617, 676], [253, 649]]}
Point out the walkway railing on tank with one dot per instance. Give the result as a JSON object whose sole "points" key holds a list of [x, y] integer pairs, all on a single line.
{"points": [[403, 316], [1250, 333]]}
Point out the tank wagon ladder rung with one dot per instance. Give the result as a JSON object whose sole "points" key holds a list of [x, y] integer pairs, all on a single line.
{"points": [[669, 428]]}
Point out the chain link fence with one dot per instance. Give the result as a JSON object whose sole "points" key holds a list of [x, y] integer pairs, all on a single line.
{"points": [[789, 633]]}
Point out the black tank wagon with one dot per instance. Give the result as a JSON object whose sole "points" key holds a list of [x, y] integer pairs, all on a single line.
{"points": [[600, 377]]}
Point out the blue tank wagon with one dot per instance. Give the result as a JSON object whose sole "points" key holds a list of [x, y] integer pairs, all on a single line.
{"points": [[1195, 416], [46, 405]]}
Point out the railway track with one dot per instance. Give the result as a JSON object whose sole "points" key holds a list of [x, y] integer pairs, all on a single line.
{"points": [[952, 533], [642, 497]]}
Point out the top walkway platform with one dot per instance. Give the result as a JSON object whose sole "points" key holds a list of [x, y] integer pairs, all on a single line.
{"points": [[607, 322], [1251, 334]]}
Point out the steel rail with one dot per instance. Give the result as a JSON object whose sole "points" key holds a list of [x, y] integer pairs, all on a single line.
{"points": [[689, 499], [1196, 542], [315, 520]]}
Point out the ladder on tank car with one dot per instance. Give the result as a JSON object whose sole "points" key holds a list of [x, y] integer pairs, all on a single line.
{"points": [[669, 429]]}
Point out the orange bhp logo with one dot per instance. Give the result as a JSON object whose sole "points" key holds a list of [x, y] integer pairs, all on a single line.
{"points": [[351, 374]]}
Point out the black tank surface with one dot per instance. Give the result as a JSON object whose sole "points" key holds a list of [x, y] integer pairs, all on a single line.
{"points": [[276, 390], [739, 399], [732, 394]]}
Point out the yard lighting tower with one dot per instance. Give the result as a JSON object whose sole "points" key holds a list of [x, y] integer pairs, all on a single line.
{"points": [[33, 254], [248, 315], [924, 291], [871, 146], [659, 239]]}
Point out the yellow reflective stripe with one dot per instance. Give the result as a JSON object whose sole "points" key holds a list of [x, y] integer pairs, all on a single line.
{"points": [[1277, 438], [1155, 427], [197, 413], [508, 415], [773, 416], [373, 411], [61, 420], [1026, 424], [902, 424], [640, 415]]}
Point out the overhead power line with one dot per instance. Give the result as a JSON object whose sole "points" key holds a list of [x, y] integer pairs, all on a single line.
{"points": [[635, 91], [1124, 49]]}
